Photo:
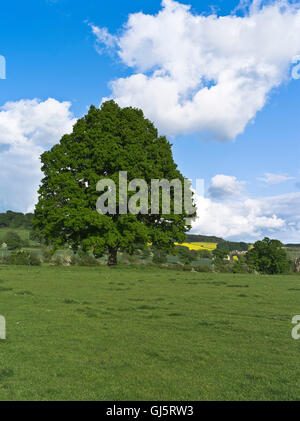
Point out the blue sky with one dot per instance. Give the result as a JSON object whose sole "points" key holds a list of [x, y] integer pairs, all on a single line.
{"points": [[52, 51]]}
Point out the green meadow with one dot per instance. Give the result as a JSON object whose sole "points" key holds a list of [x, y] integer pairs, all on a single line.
{"points": [[125, 333], [22, 232]]}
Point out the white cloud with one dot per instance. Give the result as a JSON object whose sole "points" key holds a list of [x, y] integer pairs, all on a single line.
{"points": [[240, 219], [224, 186], [271, 178], [243, 218], [27, 128], [205, 74], [103, 37]]}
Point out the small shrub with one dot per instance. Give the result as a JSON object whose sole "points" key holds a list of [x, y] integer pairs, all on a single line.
{"points": [[57, 261], [22, 258], [34, 259], [47, 255], [221, 266], [160, 256], [88, 260], [204, 254], [84, 260], [187, 268], [63, 260], [75, 260], [239, 267]]}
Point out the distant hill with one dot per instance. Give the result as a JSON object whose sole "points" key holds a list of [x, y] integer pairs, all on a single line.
{"points": [[13, 220], [196, 238]]}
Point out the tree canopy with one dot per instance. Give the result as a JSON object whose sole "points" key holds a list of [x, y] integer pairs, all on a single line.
{"points": [[268, 256], [103, 143], [220, 253]]}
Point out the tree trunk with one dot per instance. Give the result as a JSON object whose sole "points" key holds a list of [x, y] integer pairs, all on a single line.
{"points": [[112, 256]]}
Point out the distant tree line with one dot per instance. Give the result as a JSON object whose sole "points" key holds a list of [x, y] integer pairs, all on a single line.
{"points": [[11, 219], [232, 246], [197, 238]]}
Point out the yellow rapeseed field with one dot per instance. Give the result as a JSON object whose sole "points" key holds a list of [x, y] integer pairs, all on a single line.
{"points": [[199, 246], [196, 245]]}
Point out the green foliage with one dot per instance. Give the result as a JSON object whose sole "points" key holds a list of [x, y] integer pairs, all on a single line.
{"points": [[24, 243], [84, 260], [22, 258], [35, 235], [220, 253], [222, 266], [232, 266], [204, 254], [159, 256], [34, 260], [138, 252], [185, 255], [12, 219], [13, 240], [239, 267], [195, 238], [47, 254], [62, 260], [268, 256], [145, 252], [232, 245], [131, 259], [104, 142]]}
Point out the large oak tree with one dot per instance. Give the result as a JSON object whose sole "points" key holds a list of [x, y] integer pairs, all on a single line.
{"points": [[103, 143]]}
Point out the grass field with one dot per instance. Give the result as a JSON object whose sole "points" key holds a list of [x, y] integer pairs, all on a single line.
{"points": [[23, 233], [78, 333]]}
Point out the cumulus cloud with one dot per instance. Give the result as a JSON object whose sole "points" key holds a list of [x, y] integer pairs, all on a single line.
{"points": [[207, 74], [244, 218], [271, 178], [241, 219], [27, 128], [224, 186]]}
